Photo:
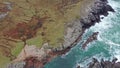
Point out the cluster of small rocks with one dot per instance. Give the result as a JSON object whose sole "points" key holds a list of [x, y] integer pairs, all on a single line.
{"points": [[104, 64], [101, 7]]}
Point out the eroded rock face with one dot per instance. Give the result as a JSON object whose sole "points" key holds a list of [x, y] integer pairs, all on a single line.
{"points": [[93, 12], [104, 64], [101, 7], [73, 34]]}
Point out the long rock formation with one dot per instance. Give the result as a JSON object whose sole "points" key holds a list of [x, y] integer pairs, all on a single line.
{"points": [[73, 34], [90, 39]]}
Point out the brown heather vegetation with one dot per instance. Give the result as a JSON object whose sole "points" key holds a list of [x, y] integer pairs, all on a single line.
{"points": [[23, 31], [34, 22]]}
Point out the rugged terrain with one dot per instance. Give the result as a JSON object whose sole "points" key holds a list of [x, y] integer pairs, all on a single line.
{"points": [[102, 64], [32, 32]]}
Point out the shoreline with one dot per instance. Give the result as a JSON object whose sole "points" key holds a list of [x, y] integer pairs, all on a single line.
{"points": [[95, 63], [100, 7]]}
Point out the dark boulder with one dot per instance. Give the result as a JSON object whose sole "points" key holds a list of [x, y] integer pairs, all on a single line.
{"points": [[104, 64], [117, 65], [104, 1], [100, 7], [94, 64], [109, 8], [108, 64]]}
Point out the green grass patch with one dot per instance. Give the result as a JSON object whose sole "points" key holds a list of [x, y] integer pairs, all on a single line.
{"points": [[3, 61], [35, 41], [16, 50]]}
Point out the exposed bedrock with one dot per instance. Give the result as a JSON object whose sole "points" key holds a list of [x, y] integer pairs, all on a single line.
{"points": [[104, 64], [90, 39], [89, 18], [101, 7], [74, 31]]}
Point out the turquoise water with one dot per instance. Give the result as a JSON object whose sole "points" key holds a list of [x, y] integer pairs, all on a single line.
{"points": [[107, 46]]}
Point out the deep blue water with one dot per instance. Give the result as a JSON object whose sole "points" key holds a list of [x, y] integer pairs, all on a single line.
{"points": [[107, 46]]}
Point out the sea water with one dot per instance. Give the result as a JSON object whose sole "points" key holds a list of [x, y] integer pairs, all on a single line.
{"points": [[107, 46]]}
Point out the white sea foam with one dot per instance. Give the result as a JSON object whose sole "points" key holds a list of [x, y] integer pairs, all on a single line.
{"points": [[106, 23], [117, 54], [103, 27], [99, 37], [114, 4], [115, 47], [88, 60], [112, 43]]}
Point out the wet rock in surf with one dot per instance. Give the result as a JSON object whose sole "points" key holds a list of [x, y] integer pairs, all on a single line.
{"points": [[104, 64], [101, 7], [90, 39]]}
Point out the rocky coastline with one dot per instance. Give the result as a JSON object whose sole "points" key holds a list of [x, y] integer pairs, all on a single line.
{"points": [[73, 35], [92, 16], [102, 64]]}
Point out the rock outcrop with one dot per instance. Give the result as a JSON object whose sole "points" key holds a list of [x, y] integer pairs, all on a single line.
{"points": [[91, 16], [100, 7], [74, 32], [90, 39], [104, 64]]}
